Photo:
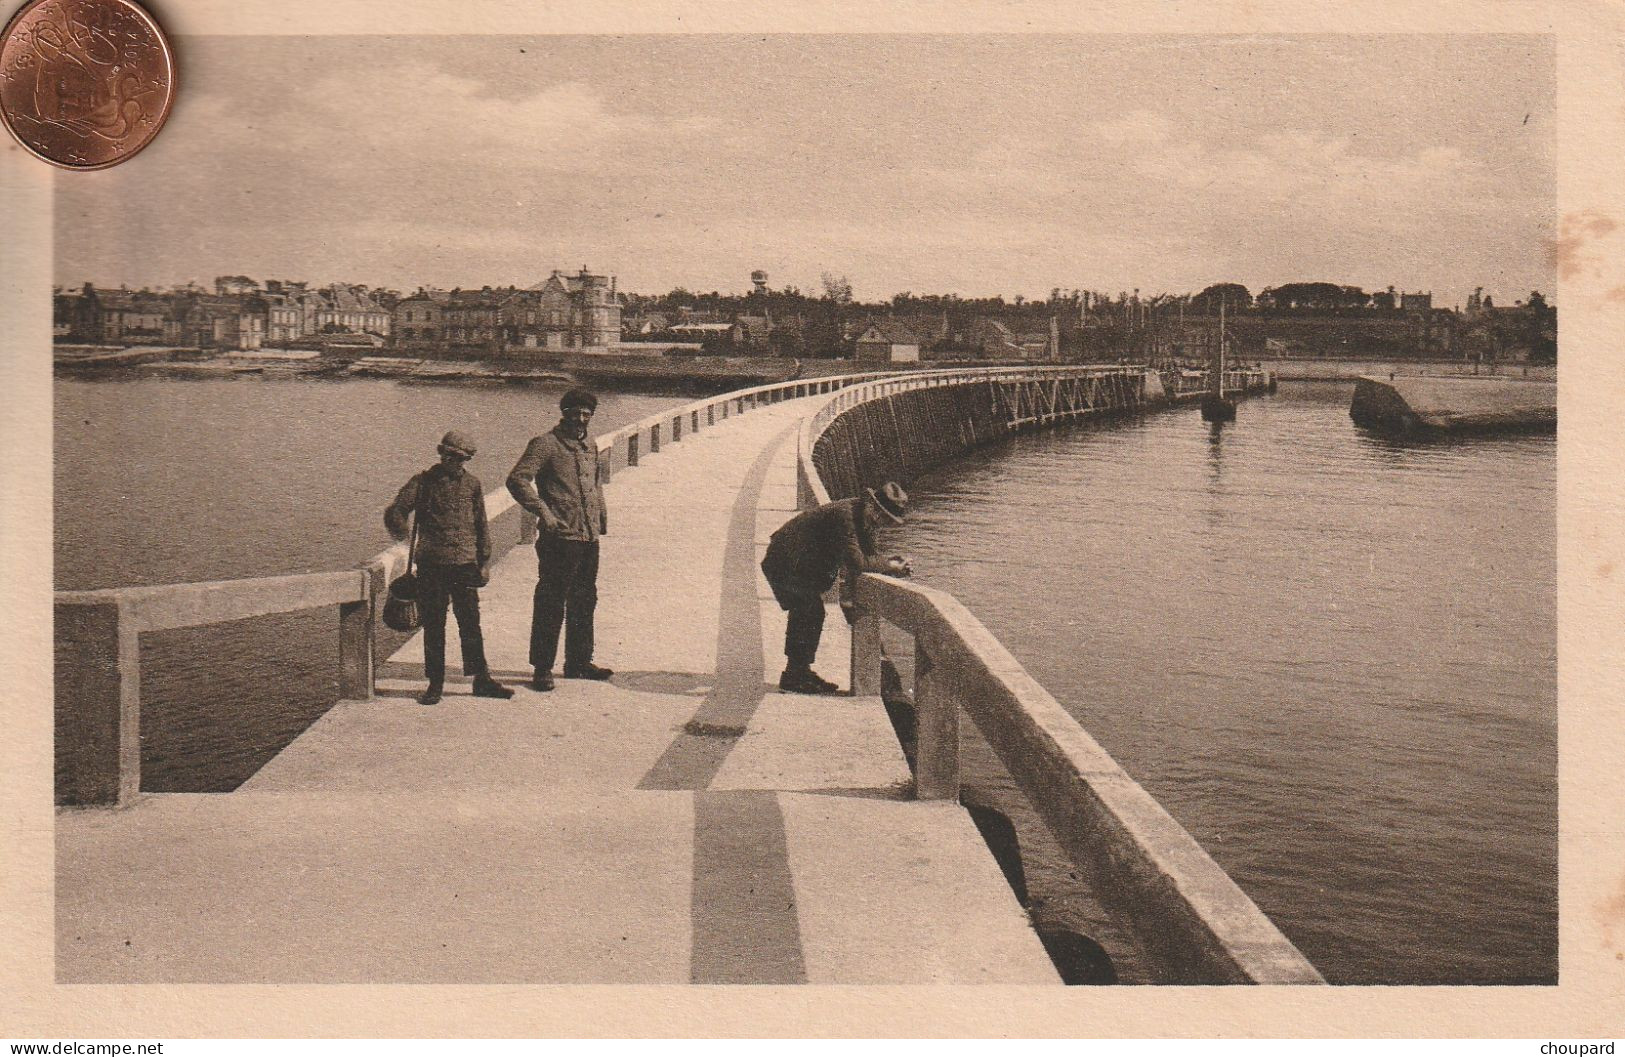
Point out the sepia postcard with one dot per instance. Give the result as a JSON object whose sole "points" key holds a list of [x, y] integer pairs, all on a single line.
{"points": [[976, 519]]}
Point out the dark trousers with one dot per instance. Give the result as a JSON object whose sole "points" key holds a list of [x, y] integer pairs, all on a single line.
{"points": [[458, 585], [805, 625], [567, 596]]}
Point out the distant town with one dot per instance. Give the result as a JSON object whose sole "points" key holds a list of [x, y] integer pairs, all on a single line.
{"points": [[584, 313]]}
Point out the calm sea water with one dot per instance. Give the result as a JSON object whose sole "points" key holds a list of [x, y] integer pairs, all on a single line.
{"points": [[161, 480], [1332, 657]]}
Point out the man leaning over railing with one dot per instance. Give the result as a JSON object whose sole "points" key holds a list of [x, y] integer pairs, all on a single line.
{"points": [[804, 558]]}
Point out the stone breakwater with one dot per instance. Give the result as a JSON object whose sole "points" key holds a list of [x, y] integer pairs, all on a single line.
{"points": [[1423, 406]]}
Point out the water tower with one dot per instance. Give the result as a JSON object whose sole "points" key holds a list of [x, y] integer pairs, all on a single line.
{"points": [[759, 278]]}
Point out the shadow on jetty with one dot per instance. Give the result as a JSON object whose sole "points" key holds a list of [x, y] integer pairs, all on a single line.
{"points": [[1079, 959]]}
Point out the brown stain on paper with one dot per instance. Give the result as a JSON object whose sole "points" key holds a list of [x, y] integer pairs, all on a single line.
{"points": [[1611, 916], [1575, 232]]}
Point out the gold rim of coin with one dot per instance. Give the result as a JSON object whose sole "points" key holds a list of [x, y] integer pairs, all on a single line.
{"points": [[85, 84]]}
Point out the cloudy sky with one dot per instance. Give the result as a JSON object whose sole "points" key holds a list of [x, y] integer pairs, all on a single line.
{"points": [[974, 164]]}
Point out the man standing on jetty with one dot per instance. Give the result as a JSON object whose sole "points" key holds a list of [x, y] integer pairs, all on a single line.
{"points": [[453, 554], [805, 556], [557, 479]]}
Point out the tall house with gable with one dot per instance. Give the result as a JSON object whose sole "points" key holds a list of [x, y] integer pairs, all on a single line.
{"points": [[579, 311]]}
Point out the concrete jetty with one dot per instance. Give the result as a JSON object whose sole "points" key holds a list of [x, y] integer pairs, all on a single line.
{"points": [[684, 823], [1410, 404]]}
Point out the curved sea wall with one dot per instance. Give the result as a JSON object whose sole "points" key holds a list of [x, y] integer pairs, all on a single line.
{"points": [[1144, 868], [898, 436]]}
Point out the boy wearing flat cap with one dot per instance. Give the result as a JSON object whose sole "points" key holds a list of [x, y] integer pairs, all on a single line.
{"points": [[453, 562], [558, 480], [803, 560]]}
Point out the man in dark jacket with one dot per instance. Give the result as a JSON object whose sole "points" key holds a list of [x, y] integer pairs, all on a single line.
{"points": [[558, 480], [453, 562], [805, 556]]}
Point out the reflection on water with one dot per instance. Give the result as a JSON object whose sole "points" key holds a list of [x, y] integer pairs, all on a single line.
{"points": [[1331, 655]]}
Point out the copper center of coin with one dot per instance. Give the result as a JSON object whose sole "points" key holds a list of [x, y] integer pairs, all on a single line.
{"points": [[85, 84]]}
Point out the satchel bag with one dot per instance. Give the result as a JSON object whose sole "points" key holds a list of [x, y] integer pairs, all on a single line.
{"points": [[401, 606]]}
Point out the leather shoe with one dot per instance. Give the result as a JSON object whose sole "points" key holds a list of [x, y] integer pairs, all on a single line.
{"points": [[489, 687], [543, 682], [805, 681], [431, 696], [587, 671]]}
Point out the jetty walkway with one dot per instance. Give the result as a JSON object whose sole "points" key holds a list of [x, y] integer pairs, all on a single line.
{"points": [[682, 823]]}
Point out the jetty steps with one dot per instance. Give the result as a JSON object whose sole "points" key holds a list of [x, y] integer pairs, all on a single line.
{"points": [[683, 823]]}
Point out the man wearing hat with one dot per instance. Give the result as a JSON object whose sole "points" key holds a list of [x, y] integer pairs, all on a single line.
{"points": [[805, 556], [558, 480], [453, 554]]}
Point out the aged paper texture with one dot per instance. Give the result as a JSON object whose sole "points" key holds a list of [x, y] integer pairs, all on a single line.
{"points": [[294, 50]]}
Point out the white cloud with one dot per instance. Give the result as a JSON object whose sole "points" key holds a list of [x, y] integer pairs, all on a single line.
{"points": [[1329, 174], [1141, 158], [412, 109], [417, 114]]}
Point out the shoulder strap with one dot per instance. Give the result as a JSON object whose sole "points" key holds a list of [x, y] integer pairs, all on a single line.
{"points": [[417, 516]]}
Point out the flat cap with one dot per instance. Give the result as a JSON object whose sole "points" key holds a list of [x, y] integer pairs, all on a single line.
{"points": [[578, 397], [455, 443]]}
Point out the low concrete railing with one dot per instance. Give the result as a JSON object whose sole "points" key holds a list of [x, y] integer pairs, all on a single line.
{"points": [[1140, 862], [97, 633], [98, 662]]}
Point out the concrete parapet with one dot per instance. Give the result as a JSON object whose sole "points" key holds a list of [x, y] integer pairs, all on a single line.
{"points": [[98, 662], [98, 749], [1186, 911], [1141, 863]]}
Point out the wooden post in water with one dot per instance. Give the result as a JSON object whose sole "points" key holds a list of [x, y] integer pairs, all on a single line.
{"points": [[1216, 407]]}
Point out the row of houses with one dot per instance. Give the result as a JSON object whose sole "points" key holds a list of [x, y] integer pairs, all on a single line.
{"points": [[230, 318], [562, 312], [746, 330], [566, 311], [580, 311], [893, 338], [906, 340]]}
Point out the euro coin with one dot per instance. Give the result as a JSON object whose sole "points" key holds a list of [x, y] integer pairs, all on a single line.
{"points": [[85, 84]]}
